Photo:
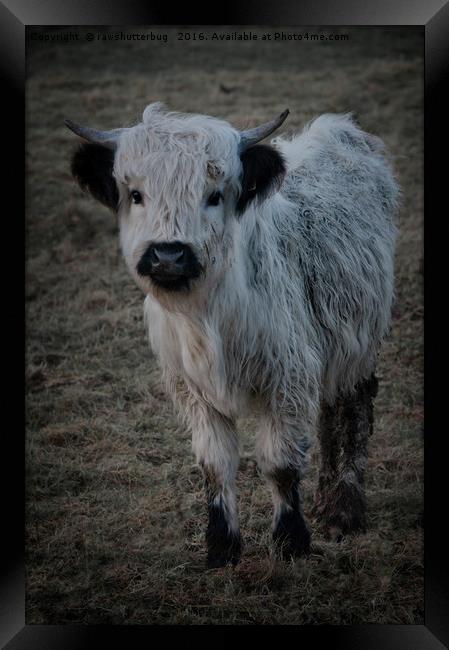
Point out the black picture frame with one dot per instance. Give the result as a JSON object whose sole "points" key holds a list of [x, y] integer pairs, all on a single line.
{"points": [[15, 15]]}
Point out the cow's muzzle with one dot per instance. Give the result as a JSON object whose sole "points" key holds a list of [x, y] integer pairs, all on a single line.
{"points": [[170, 265]]}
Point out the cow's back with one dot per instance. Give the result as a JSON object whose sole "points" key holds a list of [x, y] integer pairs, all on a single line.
{"points": [[340, 236]]}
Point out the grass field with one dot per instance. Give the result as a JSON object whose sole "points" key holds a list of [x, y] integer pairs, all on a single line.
{"points": [[115, 508]]}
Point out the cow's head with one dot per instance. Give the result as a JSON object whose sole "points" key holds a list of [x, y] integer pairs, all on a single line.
{"points": [[177, 182]]}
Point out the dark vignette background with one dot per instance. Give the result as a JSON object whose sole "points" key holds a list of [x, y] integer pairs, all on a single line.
{"points": [[437, 64], [115, 507]]}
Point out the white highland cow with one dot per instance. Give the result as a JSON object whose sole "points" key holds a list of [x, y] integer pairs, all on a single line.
{"points": [[268, 274]]}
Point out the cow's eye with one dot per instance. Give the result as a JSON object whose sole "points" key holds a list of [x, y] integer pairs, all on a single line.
{"points": [[136, 196], [214, 198]]}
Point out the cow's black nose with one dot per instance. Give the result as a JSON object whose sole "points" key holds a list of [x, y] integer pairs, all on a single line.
{"points": [[166, 256], [166, 260]]}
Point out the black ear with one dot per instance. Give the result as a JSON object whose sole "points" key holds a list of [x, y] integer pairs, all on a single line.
{"points": [[92, 166], [263, 171]]}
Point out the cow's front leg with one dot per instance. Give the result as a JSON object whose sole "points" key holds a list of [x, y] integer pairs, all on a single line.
{"points": [[216, 448], [290, 532], [281, 458]]}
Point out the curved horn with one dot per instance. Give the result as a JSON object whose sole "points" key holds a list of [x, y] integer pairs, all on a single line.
{"points": [[106, 138], [252, 136]]}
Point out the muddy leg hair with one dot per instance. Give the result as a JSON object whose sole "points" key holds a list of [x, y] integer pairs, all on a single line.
{"points": [[290, 532], [222, 535], [216, 448], [330, 451], [280, 457], [343, 432]]}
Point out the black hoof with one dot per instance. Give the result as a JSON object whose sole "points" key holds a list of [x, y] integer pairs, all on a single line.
{"points": [[291, 536], [224, 546], [342, 512], [338, 526], [224, 552]]}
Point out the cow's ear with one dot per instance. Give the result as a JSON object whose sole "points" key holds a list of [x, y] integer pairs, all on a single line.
{"points": [[92, 166], [263, 171]]}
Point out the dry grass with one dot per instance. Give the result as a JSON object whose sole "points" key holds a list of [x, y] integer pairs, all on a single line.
{"points": [[115, 509]]}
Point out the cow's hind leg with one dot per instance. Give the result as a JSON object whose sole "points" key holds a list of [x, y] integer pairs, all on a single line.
{"points": [[344, 429], [215, 444], [280, 458]]}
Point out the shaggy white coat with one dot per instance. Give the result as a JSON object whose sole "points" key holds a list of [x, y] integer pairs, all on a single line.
{"points": [[296, 293]]}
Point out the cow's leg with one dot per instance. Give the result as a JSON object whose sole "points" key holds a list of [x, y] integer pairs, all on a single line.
{"points": [[281, 458], [215, 444], [344, 429]]}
